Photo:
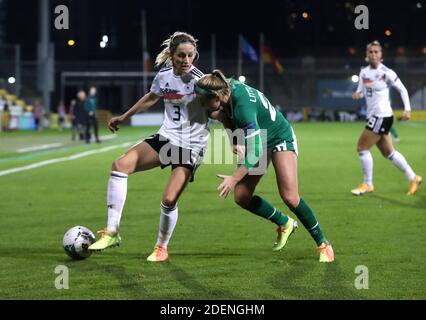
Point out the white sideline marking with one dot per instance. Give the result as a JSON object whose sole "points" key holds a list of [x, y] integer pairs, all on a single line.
{"points": [[55, 145], [108, 137], [72, 157], [40, 147]]}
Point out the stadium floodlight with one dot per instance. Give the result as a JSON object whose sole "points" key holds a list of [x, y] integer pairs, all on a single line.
{"points": [[419, 5], [71, 42], [102, 44], [105, 38], [242, 79], [355, 78], [11, 80]]}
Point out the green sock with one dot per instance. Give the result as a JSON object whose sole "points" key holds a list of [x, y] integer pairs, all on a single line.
{"points": [[307, 217], [394, 133], [264, 209]]}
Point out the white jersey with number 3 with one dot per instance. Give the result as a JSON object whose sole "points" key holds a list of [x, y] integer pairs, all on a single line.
{"points": [[185, 120], [374, 84]]}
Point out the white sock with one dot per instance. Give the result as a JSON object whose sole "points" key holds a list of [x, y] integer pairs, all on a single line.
{"points": [[399, 161], [168, 219], [117, 191], [367, 166]]}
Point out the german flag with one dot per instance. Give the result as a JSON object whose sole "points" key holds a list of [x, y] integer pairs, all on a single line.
{"points": [[269, 57]]}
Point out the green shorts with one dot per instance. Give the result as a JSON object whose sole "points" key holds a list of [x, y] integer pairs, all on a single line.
{"points": [[286, 143]]}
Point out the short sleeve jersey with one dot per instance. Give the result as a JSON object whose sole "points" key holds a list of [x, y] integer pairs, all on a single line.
{"points": [[252, 110], [185, 121]]}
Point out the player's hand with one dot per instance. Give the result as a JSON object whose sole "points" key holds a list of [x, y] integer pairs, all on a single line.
{"points": [[356, 95], [114, 122], [227, 185], [406, 115]]}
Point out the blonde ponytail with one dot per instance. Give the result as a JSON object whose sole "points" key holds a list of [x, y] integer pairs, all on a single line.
{"points": [[170, 45]]}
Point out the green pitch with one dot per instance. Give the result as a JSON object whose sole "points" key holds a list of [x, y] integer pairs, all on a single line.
{"points": [[218, 251]]}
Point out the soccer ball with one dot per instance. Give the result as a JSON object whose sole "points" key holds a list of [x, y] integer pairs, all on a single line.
{"points": [[77, 241]]}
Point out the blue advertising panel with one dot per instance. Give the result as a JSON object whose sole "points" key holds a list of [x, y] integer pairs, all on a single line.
{"points": [[337, 94]]}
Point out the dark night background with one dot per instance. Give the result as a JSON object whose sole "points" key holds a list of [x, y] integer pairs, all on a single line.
{"points": [[328, 31]]}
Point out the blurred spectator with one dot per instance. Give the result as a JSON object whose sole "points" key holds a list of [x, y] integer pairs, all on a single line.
{"points": [[294, 116], [38, 113], [345, 116], [78, 116], [61, 115], [5, 118], [329, 115], [90, 106]]}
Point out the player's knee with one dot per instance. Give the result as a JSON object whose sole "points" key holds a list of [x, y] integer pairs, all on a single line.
{"points": [[121, 165], [169, 200], [242, 200], [360, 148], [291, 200]]}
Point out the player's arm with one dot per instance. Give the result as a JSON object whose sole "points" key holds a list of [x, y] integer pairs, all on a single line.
{"points": [[143, 104], [358, 94], [230, 130], [395, 82], [247, 120]]}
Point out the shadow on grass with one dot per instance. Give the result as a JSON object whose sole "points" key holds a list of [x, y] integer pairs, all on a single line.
{"points": [[31, 253], [211, 255], [337, 286], [131, 284], [419, 201], [295, 281], [198, 291]]}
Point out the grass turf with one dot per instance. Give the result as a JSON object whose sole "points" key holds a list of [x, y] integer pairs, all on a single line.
{"points": [[218, 251]]}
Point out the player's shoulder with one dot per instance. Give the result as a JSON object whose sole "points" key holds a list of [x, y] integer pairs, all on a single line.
{"points": [[386, 69], [165, 70], [364, 69], [197, 73], [390, 73]]}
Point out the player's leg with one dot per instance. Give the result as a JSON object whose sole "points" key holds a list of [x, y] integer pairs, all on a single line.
{"points": [[285, 164], [366, 140], [138, 158], [96, 128], [245, 198], [169, 211], [88, 125], [74, 129], [386, 148]]}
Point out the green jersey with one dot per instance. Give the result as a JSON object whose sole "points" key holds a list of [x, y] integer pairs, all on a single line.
{"points": [[254, 114]]}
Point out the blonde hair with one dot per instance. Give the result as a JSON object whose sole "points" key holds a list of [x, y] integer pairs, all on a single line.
{"points": [[214, 84], [373, 43], [170, 45]]}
